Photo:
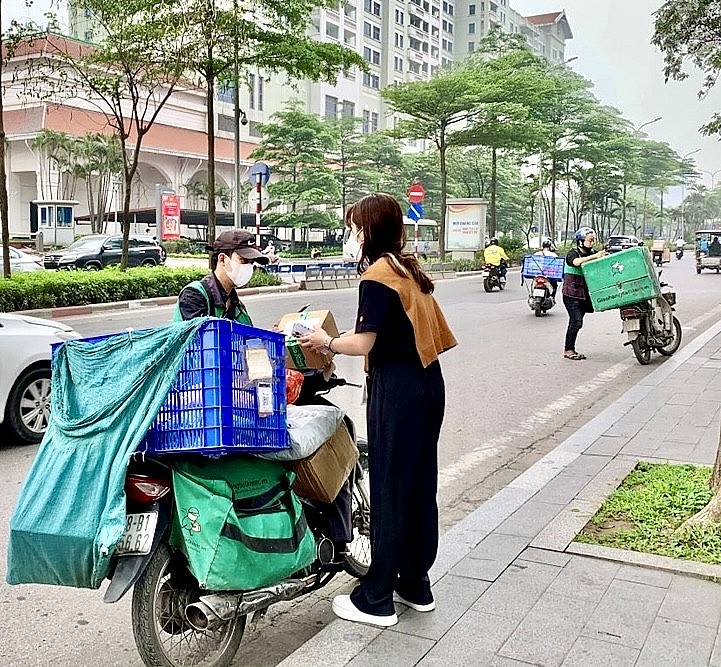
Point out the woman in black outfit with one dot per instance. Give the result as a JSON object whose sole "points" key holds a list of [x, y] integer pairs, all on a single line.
{"points": [[402, 330]]}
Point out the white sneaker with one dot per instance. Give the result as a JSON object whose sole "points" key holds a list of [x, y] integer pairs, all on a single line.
{"points": [[344, 608], [418, 607]]}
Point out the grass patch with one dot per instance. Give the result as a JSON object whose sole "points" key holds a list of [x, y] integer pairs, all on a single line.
{"points": [[643, 513]]}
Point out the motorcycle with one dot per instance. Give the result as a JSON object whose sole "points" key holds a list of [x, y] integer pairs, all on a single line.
{"points": [[540, 298], [492, 277], [679, 253], [175, 622], [651, 325]]}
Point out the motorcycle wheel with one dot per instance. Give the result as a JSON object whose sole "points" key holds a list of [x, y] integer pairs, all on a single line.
{"points": [[669, 349], [487, 285], [501, 285], [358, 558], [642, 351], [538, 310], [163, 636]]}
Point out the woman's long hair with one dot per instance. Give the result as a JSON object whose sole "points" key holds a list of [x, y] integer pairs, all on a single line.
{"points": [[381, 219]]}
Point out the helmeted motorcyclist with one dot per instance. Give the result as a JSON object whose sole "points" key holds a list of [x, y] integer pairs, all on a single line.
{"points": [[495, 255], [548, 249], [576, 298]]}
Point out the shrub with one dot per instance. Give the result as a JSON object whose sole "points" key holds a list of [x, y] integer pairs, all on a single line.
{"points": [[46, 289]]}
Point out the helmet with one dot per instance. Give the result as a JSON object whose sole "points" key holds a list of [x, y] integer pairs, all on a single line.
{"points": [[494, 241], [582, 233], [547, 243]]}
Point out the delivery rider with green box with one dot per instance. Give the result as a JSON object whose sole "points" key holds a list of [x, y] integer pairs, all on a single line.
{"points": [[576, 298]]}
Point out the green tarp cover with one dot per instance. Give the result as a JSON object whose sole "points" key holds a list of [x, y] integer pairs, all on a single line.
{"points": [[71, 509]]}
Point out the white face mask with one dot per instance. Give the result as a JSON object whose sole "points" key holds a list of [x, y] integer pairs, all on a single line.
{"points": [[240, 274], [354, 247]]}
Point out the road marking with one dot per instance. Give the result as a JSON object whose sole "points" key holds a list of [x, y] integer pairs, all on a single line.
{"points": [[545, 415]]}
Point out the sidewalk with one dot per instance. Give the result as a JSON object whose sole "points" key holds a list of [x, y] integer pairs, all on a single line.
{"points": [[513, 589]]}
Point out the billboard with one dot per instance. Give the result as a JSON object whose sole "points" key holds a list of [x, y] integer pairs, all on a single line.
{"points": [[465, 224]]}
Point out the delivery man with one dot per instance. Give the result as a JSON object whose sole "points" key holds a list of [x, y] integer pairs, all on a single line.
{"points": [[496, 255]]}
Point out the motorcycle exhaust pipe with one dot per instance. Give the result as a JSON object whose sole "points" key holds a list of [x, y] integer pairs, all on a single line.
{"points": [[212, 611]]}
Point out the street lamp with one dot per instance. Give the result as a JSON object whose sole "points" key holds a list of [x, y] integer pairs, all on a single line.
{"points": [[712, 174], [637, 130], [570, 60], [683, 192]]}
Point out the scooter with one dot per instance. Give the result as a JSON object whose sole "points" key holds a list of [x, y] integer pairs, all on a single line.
{"points": [[175, 622], [540, 298], [492, 277], [651, 325], [679, 253]]}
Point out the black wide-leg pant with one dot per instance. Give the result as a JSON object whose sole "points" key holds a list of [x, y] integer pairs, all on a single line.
{"points": [[405, 411]]}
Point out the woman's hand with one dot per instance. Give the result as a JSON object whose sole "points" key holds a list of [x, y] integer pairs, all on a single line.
{"points": [[317, 340]]}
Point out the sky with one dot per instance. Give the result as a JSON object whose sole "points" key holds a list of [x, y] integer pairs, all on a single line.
{"points": [[612, 46]]}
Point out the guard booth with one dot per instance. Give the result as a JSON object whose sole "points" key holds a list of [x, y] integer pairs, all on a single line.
{"points": [[55, 218]]}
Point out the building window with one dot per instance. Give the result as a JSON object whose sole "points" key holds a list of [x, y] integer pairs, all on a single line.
{"points": [[226, 93], [366, 121], [471, 47], [251, 91], [254, 129], [371, 80], [372, 7], [89, 35], [447, 7], [88, 13], [399, 40], [399, 17], [331, 106], [331, 30], [397, 64], [261, 84], [372, 31], [471, 10], [371, 55], [374, 122], [471, 28], [348, 109]]}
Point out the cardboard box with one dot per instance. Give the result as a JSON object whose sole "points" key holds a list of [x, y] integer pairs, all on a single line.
{"points": [[322, 474], [295, 356]]}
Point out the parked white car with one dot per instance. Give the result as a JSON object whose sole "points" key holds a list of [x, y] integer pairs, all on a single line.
{"points": [[25, 372], [22, 262]]}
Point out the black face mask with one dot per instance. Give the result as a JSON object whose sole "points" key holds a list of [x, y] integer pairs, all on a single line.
{"points": [[583, 250]]}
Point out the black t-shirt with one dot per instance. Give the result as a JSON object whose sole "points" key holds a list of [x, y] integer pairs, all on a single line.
{"points": [[380, 311]]}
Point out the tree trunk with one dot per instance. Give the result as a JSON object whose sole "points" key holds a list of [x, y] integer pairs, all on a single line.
{"points": [[444, 196], [494, 177], [552, 212], [712, 512], [210, 95], [623, 208], [4, 223]]}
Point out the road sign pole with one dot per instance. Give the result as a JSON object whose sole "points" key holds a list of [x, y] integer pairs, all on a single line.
{"points": [[258, 206], [415, 233]]}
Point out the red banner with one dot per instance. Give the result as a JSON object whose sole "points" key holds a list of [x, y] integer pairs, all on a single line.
{"points": [[169, 217]]}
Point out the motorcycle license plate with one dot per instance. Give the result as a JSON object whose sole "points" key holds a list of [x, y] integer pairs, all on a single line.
{"points": [[485, 274], [631, 325], [539, 292], [138, 536]]}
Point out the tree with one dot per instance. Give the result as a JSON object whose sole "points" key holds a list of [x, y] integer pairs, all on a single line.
{"points": [[129, 75], [297, 144], [690, 31], [378, 162], [228, 38]]}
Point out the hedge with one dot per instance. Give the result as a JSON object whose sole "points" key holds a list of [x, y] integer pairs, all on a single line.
{"points": [[53, 289]]}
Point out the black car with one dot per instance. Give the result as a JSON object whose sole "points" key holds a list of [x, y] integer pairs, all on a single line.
{"points": [[97, 251], [623, 242]]}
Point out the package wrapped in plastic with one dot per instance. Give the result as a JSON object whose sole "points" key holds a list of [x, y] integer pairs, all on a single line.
{"points": [[309, 426]]}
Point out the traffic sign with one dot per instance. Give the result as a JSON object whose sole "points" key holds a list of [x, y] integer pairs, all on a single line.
{"points": [[259, 169], [416, 193], [415, 211]]}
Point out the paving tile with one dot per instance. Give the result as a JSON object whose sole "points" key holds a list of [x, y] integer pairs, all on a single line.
{"points": [[682, 398], [493, 555], [626, 428], [587, 652], [686, 434], [473, 640], [549, 630], [453, 595], [673, 451], [607, 445], [715, 660], [677, 644], [586, 465], [625, 614], [393, 650], [584, 578], [645, 575], [545, 556], [530, 519], [502, 661], [692, 601], [515, 592], [562, 489], [643, 444], [560, 532]]}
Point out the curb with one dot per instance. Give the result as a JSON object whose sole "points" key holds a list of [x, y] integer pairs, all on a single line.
{"points": [[72, 311]]}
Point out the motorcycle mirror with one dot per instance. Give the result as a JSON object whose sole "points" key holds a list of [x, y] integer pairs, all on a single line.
{"points": [[304, 308]]}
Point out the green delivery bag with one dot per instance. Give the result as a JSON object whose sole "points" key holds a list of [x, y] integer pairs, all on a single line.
{"points": [[239, 523]]}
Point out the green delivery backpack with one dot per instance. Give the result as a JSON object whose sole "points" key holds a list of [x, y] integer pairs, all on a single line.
{"points": [[239, 523]]}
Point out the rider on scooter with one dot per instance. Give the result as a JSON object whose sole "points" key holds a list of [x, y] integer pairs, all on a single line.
{"points": [[495, 255], [548, 249]]}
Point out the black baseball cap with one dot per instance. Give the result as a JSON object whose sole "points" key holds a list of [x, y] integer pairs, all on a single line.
{"points": [[240, 241]]}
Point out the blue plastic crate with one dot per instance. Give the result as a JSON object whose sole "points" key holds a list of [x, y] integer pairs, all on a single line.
{"points": [[542, 265], [212, 408]]}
